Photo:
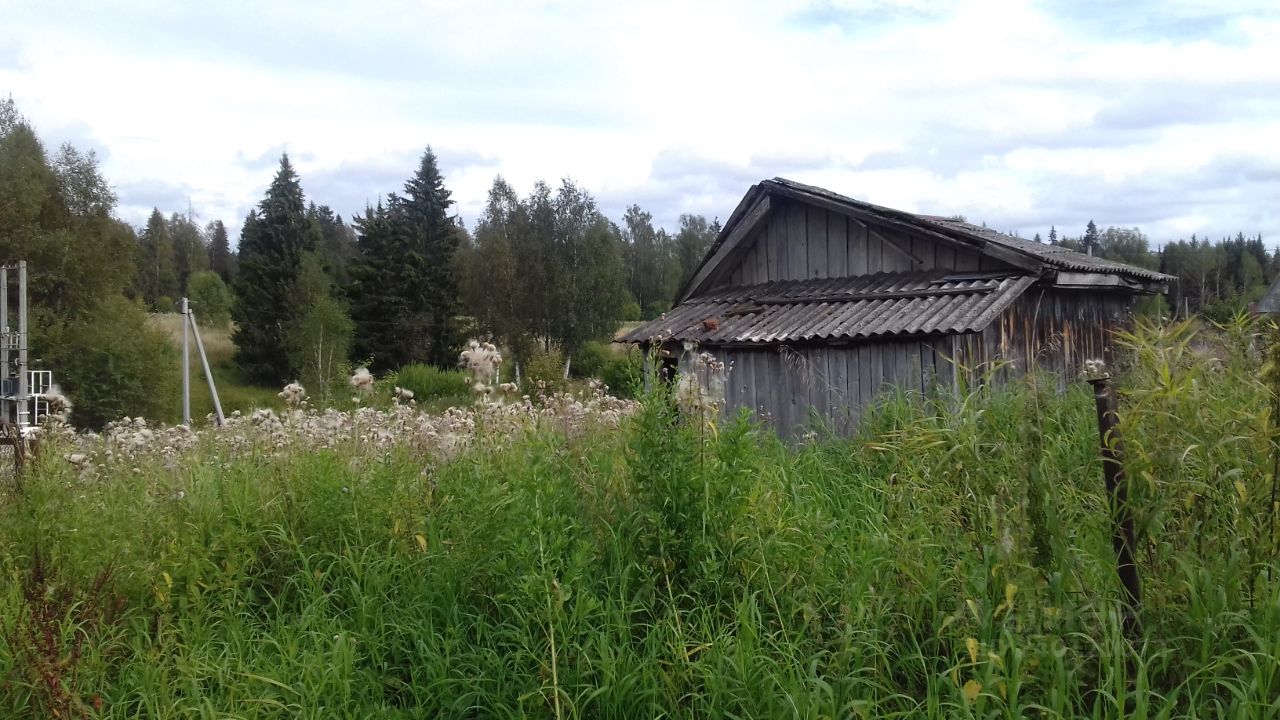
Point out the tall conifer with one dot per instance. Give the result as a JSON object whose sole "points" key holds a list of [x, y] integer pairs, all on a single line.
{"points": [[405, 292], [272, 245]]}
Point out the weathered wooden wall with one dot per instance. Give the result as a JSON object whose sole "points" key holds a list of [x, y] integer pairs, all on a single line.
{"points": [[803, 242], [1052, 329], [789, 387]]}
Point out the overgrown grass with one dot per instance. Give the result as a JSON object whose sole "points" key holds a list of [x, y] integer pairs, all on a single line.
{"points": [[235, 392], [432, 386], [953, 561]]}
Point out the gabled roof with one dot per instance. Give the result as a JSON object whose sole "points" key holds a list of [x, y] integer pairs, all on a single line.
{"points": [[882, 305], [1032, 257]]}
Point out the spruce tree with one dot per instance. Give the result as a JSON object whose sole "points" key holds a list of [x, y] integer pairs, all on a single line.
{"points": [[374, 303], [337, 244], [405, 291], [272, 245], [1090, 242], [221, 259]]}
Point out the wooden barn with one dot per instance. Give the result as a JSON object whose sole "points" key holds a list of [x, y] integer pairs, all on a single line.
{"points": [[818, 303]]}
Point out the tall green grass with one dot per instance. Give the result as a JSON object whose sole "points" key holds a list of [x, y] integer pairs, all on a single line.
{"points": [[952, 561]]}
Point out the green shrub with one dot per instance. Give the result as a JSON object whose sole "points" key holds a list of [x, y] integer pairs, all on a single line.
{"points": [[590, 360], [210, 298], [654, 310], [545, 366], [630, 311], [319, 338], [624, 374], [110, 362], [429, 382]]}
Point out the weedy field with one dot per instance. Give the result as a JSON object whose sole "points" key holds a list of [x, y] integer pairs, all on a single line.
{"points": [[589, 557]]}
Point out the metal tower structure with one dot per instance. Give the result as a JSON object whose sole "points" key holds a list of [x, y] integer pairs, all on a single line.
{"points": [[22, 390]]}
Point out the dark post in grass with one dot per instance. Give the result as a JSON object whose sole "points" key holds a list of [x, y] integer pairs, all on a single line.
{"points": [[1122, 532]]}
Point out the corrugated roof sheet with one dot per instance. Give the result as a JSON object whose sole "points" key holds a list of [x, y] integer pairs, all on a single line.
{"points": [[858, 308]]}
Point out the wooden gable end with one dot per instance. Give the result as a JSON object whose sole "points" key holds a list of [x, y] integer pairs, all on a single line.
{"points": [[799, 241]]}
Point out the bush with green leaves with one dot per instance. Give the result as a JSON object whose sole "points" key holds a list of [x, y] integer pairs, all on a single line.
{"points": [[590, 360], [428, 382], [544, 367], [110, 362], [319, 337], [624, 374], [210, 298]]}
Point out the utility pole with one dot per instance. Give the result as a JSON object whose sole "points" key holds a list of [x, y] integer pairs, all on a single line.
{"points": [[186, 363], [23, 410], [208, 374]]}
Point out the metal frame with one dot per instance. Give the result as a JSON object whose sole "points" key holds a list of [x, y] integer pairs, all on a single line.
{"points": [[22, 390]]}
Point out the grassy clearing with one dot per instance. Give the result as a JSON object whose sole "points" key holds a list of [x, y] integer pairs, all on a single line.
{"points": [[953, 561], [235, 392]]}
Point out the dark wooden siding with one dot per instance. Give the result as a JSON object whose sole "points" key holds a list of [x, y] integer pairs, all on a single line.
{"points": [[801, 241], [1053, 329], [795, 389]]}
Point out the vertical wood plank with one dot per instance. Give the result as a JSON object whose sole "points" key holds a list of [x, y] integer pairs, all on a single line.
{"points": [[837, 245], [782, 412], [860, 375], [869, 355], [824, 403], [838, 361], [926, 250], [778, 238], [875, 252], [798, 240], [944, 256], [816, 234], [943, 370], [853, 358], [966, 260], [813, 380], [925, 363], [857, 241], [762, 265], [768, 255]]}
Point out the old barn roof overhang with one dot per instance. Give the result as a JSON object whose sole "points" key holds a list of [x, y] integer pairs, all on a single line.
{"points": [[839, 310], [1103, 282]]}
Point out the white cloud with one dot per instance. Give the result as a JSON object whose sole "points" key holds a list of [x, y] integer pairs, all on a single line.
{"points": [[1011, 111]]}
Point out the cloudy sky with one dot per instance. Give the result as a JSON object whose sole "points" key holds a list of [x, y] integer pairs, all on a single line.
{"points": [[1161, 114]]}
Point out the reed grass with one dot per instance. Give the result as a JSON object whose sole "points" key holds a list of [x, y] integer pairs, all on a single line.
{"points": [[669, 570]]}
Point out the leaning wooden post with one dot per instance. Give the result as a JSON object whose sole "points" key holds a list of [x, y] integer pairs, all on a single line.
{"points": [[1123, 537]]}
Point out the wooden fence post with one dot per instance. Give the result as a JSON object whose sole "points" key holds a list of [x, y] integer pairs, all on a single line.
{"points": [[1123, 536]]}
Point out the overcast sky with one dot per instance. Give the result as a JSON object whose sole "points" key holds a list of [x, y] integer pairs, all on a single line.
{"points": [[1161, 114]]}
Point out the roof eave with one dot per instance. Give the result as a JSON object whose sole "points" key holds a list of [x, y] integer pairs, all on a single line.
{"points": [[1106, 281]]}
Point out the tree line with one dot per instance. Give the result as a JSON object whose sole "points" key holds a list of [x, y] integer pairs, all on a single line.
{"points": [[312, 294], [1213, 278], [543, 274]]}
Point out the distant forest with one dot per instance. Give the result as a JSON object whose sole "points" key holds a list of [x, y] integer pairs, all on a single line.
{"points": [[313, 293], [1215, 278]]}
